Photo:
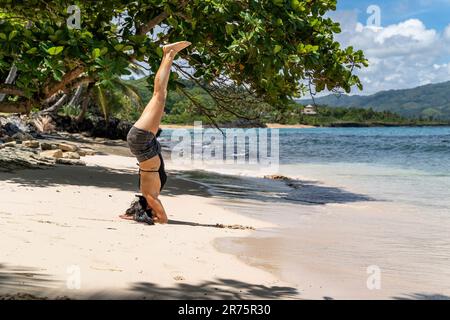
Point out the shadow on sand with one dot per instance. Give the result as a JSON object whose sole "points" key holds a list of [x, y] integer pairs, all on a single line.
{"points": [[20, 282], [29, 283], [304, 192], [226, 187], [219, 289], [95, 176], [422, 296], [18, 279]]}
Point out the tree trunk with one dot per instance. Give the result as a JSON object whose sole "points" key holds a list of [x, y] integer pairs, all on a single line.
{"points": [[85, 103], [9, 80], [76, 96], [14, 107], [68, 78], [54, 108]]}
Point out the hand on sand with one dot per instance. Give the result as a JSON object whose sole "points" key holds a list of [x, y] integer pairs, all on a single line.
{"points": [[126, 217], [173, 48]]}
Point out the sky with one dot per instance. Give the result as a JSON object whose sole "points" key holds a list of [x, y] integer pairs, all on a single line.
{"points": [[407, 42]]}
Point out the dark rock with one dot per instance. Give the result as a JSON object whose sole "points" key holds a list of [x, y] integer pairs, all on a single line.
{"points": [[47, 146], [22, 136], [71, 162], [97, 127]]}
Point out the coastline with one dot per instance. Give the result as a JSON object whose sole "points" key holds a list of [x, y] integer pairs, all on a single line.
{"points": [[333, 125], [65, 219], [268, 125]]}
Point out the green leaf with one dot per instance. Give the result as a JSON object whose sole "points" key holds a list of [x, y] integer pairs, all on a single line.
{"points": [[229, 28], [13, 34], [278, 3], [119, 47], [96, 53], [277, 49], [127, 48], [159, 52], [86, 34], [55, 50], [2, 36], [32, 50]]}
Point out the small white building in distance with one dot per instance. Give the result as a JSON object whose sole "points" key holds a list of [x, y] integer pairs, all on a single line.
{"points": [[309, 110]]}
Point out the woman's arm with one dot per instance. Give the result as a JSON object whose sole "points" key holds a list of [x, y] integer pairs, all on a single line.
{"points": [[159, 212]]}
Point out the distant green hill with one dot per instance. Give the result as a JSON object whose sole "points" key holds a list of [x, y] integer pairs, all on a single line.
{"points": [[180, 110], [430, 101]]}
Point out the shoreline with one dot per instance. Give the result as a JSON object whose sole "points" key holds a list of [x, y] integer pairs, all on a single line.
{"points": [[305, 126], [63, 219], [321, 247], [268, 125]]}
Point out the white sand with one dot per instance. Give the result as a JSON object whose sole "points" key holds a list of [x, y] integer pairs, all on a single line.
{"points": [[55, 222]]}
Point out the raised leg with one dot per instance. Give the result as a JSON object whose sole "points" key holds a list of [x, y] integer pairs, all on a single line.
{"points": [[153, 112]]}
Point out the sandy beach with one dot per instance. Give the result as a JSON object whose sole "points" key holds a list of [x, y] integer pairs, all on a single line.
{"points": [[61, 237], [268, 125], [288, 126]]}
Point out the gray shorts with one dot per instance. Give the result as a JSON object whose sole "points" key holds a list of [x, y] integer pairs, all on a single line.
{"points": [[143, 144]]}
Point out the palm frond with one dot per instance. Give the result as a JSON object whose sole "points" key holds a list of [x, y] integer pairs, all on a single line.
{"points": [[102, 101], [136, 68], [130, 90]]}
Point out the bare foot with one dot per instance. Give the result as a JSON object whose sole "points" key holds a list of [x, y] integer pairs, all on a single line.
{"points": [[174, 48]]}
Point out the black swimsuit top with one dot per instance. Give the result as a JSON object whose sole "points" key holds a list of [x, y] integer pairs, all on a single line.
{"points": [[161, 171]]}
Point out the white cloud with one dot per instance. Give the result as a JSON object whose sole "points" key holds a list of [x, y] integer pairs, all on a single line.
{"points": [[447, 33], [402, 55]]}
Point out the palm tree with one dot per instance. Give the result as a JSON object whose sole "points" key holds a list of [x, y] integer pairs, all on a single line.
{"points": [[108, 95]]}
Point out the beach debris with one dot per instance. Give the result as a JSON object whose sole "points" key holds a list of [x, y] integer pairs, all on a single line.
{"points": [[23, 147], [28, 296], [48, 146], [293, 183], [72, 162], [276, 177], [67, 147], [179, 278], [71, 155], [86, 152], [44, 124], [52, 154], [234, 226], [22, 136], [21, 158], [10, 144], [31, 143]]}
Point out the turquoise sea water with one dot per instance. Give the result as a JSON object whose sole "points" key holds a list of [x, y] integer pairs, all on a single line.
{"points": [[422, 148], [360, 197]]}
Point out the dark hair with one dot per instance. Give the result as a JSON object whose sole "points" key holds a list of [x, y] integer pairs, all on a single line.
{"points": [[140, 211]]}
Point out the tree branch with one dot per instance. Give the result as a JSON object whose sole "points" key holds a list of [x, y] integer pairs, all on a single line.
{"points": [[144, 29], [68, 87], [11, 90], [201, 109], [78, 82], [14, 107], [56, 106], [213, 96], [68, 77]]}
